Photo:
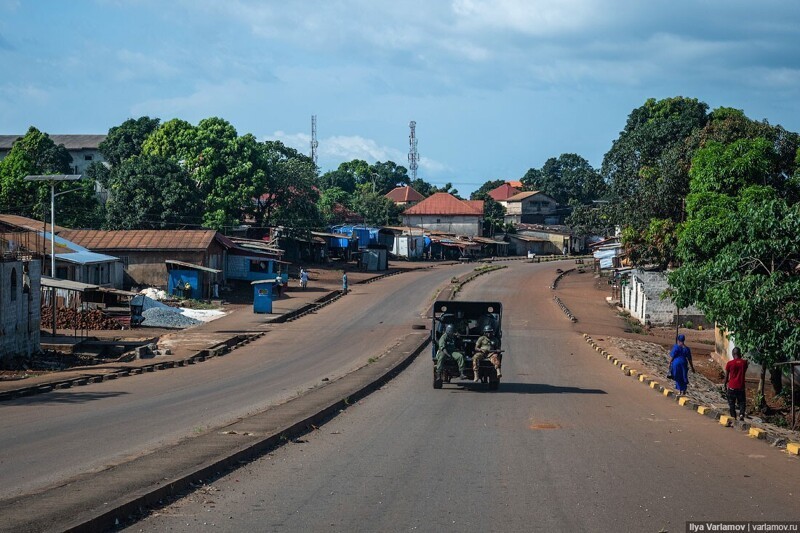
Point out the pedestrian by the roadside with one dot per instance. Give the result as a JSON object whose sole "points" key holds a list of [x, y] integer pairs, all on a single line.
{"points": [[303, 279], [734, 383], [344, 283], [680, 362]]}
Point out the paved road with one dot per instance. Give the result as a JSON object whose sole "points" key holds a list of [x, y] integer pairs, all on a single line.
{"points": [[47, 438], [566, 444]]}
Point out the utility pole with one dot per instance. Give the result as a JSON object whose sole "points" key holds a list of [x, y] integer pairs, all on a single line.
{"points": [[413, 155], [314, 143]]}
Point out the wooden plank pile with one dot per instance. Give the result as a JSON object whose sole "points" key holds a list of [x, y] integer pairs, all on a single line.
{"points": [[91, 319]]}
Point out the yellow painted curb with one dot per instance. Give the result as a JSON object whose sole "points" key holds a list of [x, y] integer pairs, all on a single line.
{"points": [[793, 448], [757, 433], [653, 384], [597, 348], [683, 400], [702, 409], [726, 420], [668, 392], [616, 362], [609, 356], [642, 377], [624, 367], [634, 373]]}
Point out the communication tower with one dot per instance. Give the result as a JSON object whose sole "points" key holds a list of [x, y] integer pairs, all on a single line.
{"points": [[314, 143], [413, 155]]}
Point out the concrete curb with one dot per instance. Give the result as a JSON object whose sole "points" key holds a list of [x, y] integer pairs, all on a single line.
{"points": [[773, 439], [218, 350], [566, 310]]}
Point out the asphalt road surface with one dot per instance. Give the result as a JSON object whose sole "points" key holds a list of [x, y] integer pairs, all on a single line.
{"points": [[567, 444], [48, 438]]}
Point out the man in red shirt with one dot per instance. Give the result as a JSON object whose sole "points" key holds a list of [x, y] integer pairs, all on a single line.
{"points": [[734, 383]]}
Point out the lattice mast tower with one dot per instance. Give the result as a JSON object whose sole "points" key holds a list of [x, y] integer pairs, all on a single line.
{"points": [[314, 143], [413, 155]]}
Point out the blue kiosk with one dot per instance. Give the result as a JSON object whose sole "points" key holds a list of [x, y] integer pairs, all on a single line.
{"points": [[262, 295]]}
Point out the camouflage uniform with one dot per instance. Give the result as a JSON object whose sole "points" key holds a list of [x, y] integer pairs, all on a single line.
{"points": [[448, 346], [484, 346]]}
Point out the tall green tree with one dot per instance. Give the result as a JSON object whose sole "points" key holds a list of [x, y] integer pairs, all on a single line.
{"points": [[568, 178], [739, 250], [151, 192], [374, 206], [126, 140], [36, 153], [228, 170], [640, 167]]}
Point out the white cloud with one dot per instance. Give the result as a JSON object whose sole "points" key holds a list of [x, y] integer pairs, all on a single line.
{"points": [[204, 101], [24, 94], [533, 17], [135, 66]]}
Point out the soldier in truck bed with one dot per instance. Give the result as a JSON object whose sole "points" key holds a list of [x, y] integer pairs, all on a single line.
{"points": [[448, 346]]}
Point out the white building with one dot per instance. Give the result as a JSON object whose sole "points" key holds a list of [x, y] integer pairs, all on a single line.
{"points": [[642, 295], [445, 213]]}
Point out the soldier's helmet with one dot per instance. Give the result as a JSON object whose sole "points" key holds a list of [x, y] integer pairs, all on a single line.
{"points": [[488, 329], [449, 329]]}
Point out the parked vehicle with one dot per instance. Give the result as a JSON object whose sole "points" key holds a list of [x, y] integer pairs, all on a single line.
{"points": [[469, 320]]}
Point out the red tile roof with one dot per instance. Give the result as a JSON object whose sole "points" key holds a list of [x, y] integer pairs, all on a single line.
{"points": [[503, 192], [516, 184], [141, 239], [404, 194], [442, 203]]}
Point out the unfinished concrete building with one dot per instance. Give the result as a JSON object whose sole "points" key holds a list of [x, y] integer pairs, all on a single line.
{"points": [[20, 308]]}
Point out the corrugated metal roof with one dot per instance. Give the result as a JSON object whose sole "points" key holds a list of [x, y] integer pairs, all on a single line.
{"points": [[526, 194], [70, 142], [193, 266], [28, 223], [442, 203], [142, 239], [86, 258], [404, 194], [66, 284]]}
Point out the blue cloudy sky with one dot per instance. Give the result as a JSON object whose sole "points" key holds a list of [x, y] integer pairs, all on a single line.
{"points": [[496, 86]]}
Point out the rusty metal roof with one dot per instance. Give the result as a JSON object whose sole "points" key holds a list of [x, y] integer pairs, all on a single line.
{"points": [[404, 194], [141, 239], [442, 203], [16, 221]]}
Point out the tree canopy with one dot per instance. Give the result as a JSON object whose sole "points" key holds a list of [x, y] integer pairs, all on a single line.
{"points": [[569, 179]]}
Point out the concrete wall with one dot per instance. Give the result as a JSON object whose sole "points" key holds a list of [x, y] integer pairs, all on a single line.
{"points": [[641, 297], [20, 308], [457, 224]]}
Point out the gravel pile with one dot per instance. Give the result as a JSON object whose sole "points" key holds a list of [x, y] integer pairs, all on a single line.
{"points": [[159, 317]]}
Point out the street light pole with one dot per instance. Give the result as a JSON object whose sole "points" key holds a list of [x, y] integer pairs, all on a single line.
{"points": [[53, 178]]}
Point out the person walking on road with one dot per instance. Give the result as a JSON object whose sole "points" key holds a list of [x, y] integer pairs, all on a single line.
{"points": [[448, 347], [303, 279], [344, 283], [734, 383], [484, 347], [680, 362]]}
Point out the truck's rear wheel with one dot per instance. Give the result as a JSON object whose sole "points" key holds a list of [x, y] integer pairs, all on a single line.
{"points": [[437, 380]]}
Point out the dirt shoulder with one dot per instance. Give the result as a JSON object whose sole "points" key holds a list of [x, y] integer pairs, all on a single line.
{"points": [[585, 295]]}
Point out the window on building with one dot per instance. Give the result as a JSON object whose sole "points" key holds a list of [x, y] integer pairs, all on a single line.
{"points": [[88, 157], [13, 284], [438, 220], [259, 266]]}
